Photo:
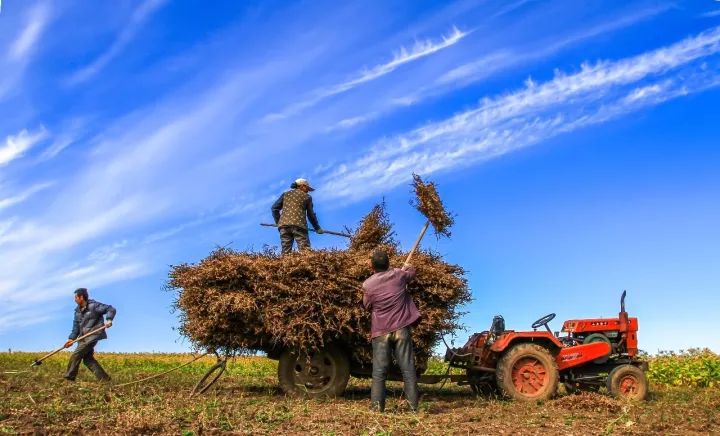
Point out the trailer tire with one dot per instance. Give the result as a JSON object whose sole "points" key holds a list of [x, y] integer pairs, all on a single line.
{"points": [[628, 382], [527, 372], [324, 373]]}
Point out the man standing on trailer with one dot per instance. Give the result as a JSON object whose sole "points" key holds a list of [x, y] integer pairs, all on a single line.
{"points": [[88, 317], [290, 212], [392, 314]]}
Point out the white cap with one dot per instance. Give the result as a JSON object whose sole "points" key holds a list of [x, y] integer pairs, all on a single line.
{"points": [[304, 182]]}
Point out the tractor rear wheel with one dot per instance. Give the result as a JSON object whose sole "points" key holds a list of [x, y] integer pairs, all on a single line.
{"points": [[627, 381], [324, 373], [527, 372]]}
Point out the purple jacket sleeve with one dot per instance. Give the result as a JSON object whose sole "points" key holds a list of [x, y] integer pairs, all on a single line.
{"points": [[366, 299], [408, 274]]}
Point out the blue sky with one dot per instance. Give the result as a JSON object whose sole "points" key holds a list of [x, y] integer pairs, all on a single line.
{"points": [[576, 141]]}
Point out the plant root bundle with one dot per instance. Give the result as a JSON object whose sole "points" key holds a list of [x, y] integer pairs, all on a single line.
{"points": [[428, 202]]}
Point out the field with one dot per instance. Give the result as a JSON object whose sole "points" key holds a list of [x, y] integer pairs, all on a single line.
{"points": [[685, 399]]}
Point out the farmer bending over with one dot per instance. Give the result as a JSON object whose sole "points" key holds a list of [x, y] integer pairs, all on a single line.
{"points": [[295, 205], [88, 317], [393, 313]]}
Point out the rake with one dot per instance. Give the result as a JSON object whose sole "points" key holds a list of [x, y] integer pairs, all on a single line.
{"points": [[40, 360]]}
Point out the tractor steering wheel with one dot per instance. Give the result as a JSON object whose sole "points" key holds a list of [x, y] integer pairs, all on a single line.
{"points": [[543, 321]]}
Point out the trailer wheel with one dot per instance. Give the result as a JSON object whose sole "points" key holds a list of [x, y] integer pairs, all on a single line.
{"points": [[324, 373], [527, 372], [627, 381]]}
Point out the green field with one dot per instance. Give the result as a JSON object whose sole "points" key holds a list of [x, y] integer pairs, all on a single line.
{"points": [[685, 399]]}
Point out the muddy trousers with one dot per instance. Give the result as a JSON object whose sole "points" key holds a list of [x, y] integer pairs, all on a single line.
{"points": [[85, 353], [290, 234], [400, 344]]}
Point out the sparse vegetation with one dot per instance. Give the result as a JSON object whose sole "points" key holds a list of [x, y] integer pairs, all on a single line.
{"points": [[691, 368], [247, 400]]}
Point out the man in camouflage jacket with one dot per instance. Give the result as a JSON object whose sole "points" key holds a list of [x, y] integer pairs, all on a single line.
{"points": [[290, 212]]}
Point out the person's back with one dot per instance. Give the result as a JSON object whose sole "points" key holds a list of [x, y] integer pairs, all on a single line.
{"points": [[391, 306], [392, 314]]}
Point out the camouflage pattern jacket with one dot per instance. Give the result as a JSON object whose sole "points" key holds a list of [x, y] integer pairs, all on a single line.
{"points": [[295, 205]]}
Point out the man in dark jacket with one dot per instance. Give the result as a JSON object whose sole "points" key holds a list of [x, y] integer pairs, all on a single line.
{"points": [[393, 313], [295, 204], [88, 317]]}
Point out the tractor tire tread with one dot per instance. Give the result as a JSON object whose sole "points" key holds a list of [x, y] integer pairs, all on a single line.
{"points": [[614, 378], [503, 373]]}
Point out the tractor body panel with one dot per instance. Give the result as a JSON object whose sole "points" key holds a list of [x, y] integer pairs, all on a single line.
{"points": [[577, 355]]}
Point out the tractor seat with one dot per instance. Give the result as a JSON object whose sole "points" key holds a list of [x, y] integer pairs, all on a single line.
{"points": [[498, 325]]}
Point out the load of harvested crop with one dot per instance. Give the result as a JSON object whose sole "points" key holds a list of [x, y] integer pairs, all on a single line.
{"points": [[236, 301], [428, 202]]}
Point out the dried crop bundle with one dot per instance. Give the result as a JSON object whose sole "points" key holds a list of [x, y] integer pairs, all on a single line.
{"points": [[262, 301], [375, 229], [428, 202]]}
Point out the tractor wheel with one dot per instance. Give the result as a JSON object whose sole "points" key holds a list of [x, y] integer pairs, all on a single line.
{"points": [[324, 373], [527, 372], [627, 381], [598, 337]]}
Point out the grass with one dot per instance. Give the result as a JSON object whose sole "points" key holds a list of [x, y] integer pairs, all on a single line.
{"points": [[246, 400]]}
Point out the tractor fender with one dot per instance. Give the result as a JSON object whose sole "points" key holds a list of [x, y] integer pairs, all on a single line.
{"points": [[508, 339]]}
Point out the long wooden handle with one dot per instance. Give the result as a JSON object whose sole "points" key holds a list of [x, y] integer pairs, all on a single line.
{"points": [[329, 232], [99, 329], [417, 243]]}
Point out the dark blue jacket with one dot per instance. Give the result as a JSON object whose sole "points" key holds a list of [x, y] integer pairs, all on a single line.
{"points": [[90, 318]]}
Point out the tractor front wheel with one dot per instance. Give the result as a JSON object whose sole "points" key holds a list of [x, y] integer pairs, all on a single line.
{"points": [[627, 381], [324, 373], [527, 372]]}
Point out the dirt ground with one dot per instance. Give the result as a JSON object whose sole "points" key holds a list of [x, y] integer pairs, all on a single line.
{"points": [[247, 401]]}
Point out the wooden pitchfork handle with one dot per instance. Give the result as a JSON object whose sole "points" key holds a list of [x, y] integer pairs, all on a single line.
{"points": [[417, 243], [97, 330], [329, 232]]}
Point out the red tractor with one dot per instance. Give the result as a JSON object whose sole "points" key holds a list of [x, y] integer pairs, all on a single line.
{"points": [[530, 365]]}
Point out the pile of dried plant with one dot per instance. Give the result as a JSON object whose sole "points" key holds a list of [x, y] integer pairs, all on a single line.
{"points": [[374, 230], [263, 301], [428, 202]]}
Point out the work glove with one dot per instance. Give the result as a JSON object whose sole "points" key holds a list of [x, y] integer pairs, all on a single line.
{"points": [[319, 231], [68, 343], [108, 324]]}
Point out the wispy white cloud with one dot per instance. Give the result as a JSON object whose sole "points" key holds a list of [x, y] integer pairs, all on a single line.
{"points": [[503, 59], [16, 145], [595, 94], [351, 122], [125, 37], [512, 7], [711, 14], [20, 49], [30, 34], [404, 56], [21, 197], [69, 133]]}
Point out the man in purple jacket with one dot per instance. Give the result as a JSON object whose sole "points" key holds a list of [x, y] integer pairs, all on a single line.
{"points": [[393, 313]]}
